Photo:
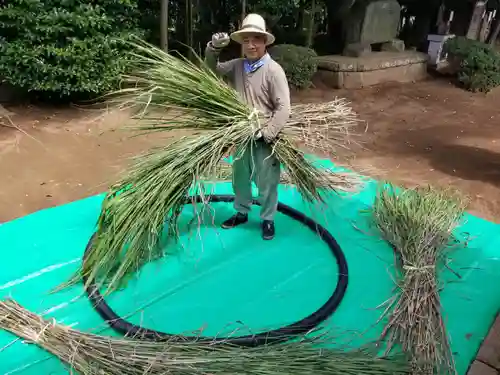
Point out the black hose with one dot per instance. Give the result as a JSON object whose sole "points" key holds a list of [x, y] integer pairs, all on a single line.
{"points": [[278, 335]]}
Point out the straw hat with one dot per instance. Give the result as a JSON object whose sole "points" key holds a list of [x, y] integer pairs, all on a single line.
{"points": [[253, 24]]}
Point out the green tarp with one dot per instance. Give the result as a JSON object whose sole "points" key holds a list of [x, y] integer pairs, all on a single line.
{"points": [[221, 281]]}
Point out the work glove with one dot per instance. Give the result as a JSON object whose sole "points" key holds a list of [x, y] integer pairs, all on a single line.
{"points": [[258, 135], [261, 131], [220, 40], [264, 134]]}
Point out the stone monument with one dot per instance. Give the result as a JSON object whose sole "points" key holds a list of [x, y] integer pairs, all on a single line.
{"points": [[373, 22], [373, 54]]}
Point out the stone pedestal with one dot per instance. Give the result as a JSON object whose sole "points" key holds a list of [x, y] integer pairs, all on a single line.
{"points": [[353, 73]]}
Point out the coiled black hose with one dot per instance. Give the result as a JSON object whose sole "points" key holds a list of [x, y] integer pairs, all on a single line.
{"points": [[304, 325]]}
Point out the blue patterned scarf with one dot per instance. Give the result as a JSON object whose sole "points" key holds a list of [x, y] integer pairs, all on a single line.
{"points": [[251, 67]]}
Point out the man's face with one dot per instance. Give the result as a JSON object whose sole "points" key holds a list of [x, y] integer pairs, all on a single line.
{"points": [[254, 46]]}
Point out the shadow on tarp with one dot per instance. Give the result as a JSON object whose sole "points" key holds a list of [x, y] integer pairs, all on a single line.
{"points": [[223, 279]]}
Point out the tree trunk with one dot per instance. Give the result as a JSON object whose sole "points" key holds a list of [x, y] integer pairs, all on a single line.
{"points": [[495, 31], [196, 24], [243, 15], [335, 12], [311, 25], [189, 27], [164, 25], [243, 10], [180, 22], [476, 20]]}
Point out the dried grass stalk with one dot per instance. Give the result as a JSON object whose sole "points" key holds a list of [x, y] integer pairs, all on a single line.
{"points": [[91, 354], [151, 196], [419, 224]]}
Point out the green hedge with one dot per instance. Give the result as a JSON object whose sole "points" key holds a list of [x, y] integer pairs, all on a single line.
{"points": [[479, 63], [65, 47], [298, 62]]}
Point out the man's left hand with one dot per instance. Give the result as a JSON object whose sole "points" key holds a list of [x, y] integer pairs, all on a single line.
{"points": [[264, 132], [267, 135]]}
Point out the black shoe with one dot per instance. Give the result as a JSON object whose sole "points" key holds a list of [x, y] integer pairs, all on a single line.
{"points": [[235, 220], [268, 230]]}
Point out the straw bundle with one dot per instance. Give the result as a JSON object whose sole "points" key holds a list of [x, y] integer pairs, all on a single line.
{"points": [[92, 354], [344, 180], [169, 93], [419, 225]]}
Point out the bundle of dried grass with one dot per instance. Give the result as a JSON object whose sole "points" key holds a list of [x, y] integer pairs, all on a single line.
{"points": [[152, 195], [168, 93], [419, 224], [92, 354], [349, 182]]}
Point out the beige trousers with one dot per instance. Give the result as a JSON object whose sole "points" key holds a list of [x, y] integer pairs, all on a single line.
{"points": [[257, 164]]}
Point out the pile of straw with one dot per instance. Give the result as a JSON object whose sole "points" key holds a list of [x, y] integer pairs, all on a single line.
{"points": [[93, 354], [419, 224], [169, 93]]}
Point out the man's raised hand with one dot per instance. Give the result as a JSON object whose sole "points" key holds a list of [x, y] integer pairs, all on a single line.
{"points": [[220, 40]]}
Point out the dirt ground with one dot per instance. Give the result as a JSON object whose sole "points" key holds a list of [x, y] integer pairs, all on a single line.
{"points": [[426, 132]]}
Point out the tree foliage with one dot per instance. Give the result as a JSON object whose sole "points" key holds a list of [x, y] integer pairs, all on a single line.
{"points": [[65, 47], [299, 63], [479, 63], [69, 47]]}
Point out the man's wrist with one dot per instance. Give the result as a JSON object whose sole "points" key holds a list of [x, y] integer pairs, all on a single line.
{"points": [[216, 49]]}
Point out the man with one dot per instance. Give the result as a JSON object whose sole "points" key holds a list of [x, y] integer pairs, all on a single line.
{"points": [[262, 83]]}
